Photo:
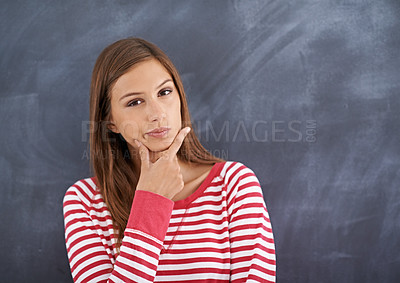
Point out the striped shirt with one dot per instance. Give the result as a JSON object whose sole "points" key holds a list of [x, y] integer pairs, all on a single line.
{"points": [[220, 233]]}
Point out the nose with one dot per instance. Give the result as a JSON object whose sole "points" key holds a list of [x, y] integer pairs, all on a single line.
{"points": [[155, 111]]}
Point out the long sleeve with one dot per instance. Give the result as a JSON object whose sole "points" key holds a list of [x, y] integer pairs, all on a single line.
{"points": [[89, 258], [251, 238]]}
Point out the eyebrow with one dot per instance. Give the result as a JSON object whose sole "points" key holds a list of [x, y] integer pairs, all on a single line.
{"points": [[137, 93]]}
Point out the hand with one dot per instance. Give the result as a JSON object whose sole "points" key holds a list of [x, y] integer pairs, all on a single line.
{"points": [[164, 176]]}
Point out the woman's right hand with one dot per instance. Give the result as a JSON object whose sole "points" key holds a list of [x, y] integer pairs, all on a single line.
{"points": [[164, 176]]}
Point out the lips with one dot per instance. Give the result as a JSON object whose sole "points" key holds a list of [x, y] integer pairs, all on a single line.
{"points": [[158, 132]]}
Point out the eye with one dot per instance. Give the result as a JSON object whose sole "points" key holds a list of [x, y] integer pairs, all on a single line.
{"points": [[134, 102], [165, 92]]}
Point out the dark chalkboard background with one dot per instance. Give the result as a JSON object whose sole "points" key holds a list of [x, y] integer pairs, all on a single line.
{"points": [[306, 93]]}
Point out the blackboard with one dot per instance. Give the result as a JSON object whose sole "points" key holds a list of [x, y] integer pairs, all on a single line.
{"points": [[306, 93]]}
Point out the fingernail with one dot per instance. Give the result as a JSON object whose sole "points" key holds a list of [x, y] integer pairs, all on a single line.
{"points": [[137, 143], [187, 130]]}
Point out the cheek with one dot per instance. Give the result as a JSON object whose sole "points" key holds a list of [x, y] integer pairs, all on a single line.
{"points": [[177, 113], [129, 129], [178, 118]]}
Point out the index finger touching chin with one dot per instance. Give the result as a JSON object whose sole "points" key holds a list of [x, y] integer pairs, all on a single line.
{"points": [[177, 143]]}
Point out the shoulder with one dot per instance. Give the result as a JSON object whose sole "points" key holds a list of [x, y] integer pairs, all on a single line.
{"points": [[239, 180], [233, 171], [85, 191]]}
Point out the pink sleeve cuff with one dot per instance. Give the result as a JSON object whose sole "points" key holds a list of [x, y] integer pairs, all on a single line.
{"points": [[150, 213]]}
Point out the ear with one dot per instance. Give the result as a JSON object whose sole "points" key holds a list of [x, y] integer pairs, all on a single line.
{"points": [[111, 126]]}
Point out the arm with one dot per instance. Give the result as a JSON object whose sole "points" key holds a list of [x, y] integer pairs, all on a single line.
{"points": [[251, 238], [141, 245], [145, 231]]}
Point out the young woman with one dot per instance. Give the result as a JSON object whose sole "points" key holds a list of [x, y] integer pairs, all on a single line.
{"points": [[160, 207]]}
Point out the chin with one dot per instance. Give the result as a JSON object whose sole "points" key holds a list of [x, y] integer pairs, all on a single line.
{"points": [[159, 146]]}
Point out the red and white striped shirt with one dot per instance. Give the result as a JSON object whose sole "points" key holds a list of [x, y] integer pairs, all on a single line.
{"points": [[220, 233]]}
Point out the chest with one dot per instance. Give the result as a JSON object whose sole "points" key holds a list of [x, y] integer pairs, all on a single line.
{"points": [[197, 243]]}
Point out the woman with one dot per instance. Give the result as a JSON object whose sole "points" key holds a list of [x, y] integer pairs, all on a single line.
{"points": [[160, 207]]}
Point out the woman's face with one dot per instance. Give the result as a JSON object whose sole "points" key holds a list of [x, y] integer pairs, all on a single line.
{"points": [[145, 106]]}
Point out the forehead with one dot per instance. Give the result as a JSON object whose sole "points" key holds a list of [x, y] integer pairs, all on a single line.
{"points": [[141, 77]]}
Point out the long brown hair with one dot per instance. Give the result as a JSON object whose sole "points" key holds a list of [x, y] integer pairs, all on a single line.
{"points": [[109, 153]]}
